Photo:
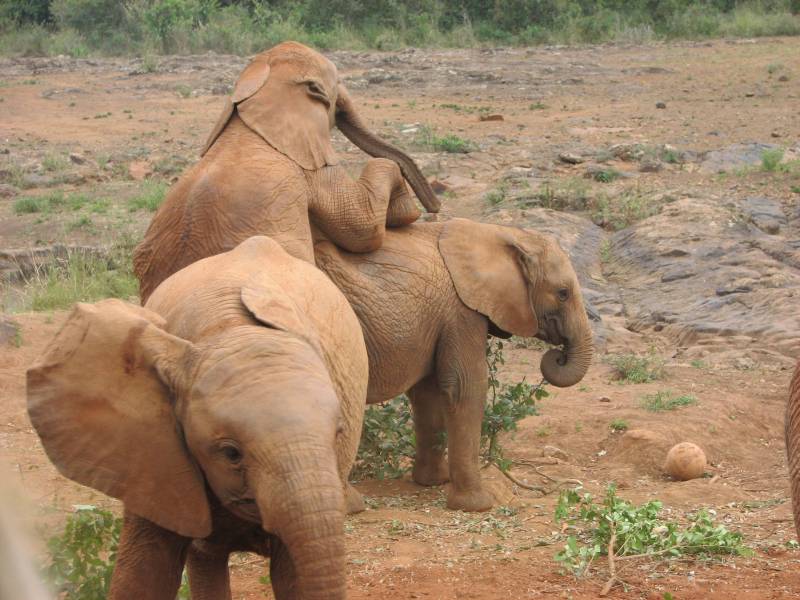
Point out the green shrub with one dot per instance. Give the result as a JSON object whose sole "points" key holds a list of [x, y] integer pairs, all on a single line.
{"points": [[448, 143], [665, 400], [634, 368], [619, 425], [638, 531], [39, 204], [387, 441], [82, 557], [771, 159]]}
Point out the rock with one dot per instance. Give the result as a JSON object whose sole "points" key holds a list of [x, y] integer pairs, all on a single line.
{"points": [[783, 78], [661, 105], [76, 158], [554, 452], [650, 166], [140, 169], [7, 190], [734, 157], [765, 213], [439, 187], [490, 117], [604, 399], [627, 152], [685, 461], [569, 158], [34, 180], [10, 333]]}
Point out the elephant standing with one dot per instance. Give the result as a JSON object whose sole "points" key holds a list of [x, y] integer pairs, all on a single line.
{"points": [[792, 433], [426, 301], [268, 168], [227, 410]]}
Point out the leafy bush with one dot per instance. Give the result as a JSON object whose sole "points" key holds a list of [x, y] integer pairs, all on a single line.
{"points": [[665, 400], [82, 557], [633, 368], [448, 143], [771, 159], [619, 425], [387, 441], [637, 531], [507, 405]]}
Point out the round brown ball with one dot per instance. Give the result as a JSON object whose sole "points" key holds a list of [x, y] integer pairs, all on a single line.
{"points": [[685, 461]]}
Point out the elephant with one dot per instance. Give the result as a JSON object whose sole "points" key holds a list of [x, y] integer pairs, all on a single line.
{"points": [[268, 168], [225, 414], [426, 301], [792, 434]]}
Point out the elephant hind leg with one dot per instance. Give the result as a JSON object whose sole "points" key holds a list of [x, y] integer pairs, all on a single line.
{"points": [[430, 465], [792, 432], [209, 578]]}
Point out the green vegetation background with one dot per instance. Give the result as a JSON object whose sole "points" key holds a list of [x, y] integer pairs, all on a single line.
{"points": [[113, 27]]}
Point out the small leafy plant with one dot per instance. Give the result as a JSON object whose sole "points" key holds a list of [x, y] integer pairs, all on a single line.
{"points": [[448, 143], [664, 400], [82, 557], [149, 197], [771, 159], [627, 532], [507, 405], [387, 441], [619, 425], [634, 368]]}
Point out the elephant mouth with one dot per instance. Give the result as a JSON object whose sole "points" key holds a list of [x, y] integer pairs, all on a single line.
{"points": [[245, 508]]}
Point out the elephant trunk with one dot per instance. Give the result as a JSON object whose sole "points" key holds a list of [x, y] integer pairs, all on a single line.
{"points": [[566, 367], [306, 511], [792, 432], [351, 125]]}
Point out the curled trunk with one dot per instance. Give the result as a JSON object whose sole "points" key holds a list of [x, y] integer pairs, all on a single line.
{"points": [[350, 124], [792, 432], [307, 514], [564, 368]]}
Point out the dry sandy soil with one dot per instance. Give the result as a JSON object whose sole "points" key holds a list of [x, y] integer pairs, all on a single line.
{"points": [[691, 252]]}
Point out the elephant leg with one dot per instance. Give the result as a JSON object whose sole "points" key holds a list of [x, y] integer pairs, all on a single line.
{"points": [[462, 374], [209, 578], [430, 465], [150, 561], [353, 500], [282, 572]]}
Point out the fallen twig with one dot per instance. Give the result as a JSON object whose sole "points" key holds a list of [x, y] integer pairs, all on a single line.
{"points": [[515, 481], [612, 569]]}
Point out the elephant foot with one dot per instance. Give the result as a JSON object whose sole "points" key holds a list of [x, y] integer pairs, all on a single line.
{"points": [[353, 500], [469, 500], [430, 473]]}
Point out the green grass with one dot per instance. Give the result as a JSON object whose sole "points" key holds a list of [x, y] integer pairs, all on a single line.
{"points": [[618, 425], [496, 196], [665, 400], [635, 368], [771, 159], [623, 210], [45, 203], [427, 139], [537, 106], [81, 278], [606, 175], [53, 163], [149, 197]]}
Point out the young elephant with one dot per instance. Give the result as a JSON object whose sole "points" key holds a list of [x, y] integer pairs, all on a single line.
{"points": [[268, 168], [426, 301], [227, 410]]}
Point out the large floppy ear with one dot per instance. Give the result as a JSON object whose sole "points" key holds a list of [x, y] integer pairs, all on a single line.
{"points": [[101, 400], [492, 273], [283, 113], [250, 81]]}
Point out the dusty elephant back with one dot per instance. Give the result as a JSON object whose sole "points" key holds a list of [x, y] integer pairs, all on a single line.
{"points": [[239, 189]]}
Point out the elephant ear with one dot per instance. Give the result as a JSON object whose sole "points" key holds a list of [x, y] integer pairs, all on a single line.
{"points": [[100, 399], [492, 273], [250, 81]]}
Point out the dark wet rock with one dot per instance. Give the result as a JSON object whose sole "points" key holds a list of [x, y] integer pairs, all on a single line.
{"points": [[661, 105], [736, 156], [7, 190], [710, 277], [764, 213]]}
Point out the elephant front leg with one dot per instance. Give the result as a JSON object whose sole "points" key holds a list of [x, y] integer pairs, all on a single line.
{"points": [[462, 376], [282, 572], [209, 576], [430, 465], [354, 214], [150, 561]]}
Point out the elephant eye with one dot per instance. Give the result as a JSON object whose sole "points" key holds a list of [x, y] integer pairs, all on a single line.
{"points": [[231, 453], [315, 89], [563, 294]]}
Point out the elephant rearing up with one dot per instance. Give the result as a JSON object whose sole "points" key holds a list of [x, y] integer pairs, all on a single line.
{"points": [[268, 168]]}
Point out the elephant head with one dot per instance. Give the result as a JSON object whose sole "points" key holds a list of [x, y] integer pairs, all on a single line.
{"points": [[525, 284], [291, 96], [123, 406]]}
